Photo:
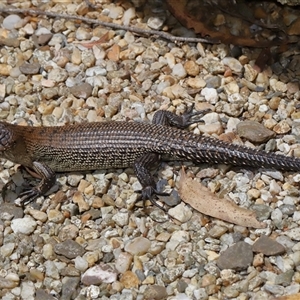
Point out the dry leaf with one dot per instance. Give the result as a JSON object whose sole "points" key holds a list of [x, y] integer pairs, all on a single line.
{"points": [[202, 199], [91, 44]]}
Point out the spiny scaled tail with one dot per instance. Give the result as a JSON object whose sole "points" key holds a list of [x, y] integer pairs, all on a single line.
{"points": [[211, 150]]}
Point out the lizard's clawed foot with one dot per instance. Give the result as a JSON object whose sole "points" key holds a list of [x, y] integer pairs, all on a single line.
{"points": [[27, 196], [150, 193], [187, 116]]}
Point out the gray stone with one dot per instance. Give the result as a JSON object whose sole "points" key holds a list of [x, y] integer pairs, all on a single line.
{"points": [[69, 249], [254, 131], [11, 209], [288, 209], [43, 295], [26, 245], [68, 232], [285, 278], [181, 285], [83, 90], [262, 211], [138, 246], [213, 82], [69, 286], [274, 289], [155, 292], [267, 246], [30, 68], [239, 256]]}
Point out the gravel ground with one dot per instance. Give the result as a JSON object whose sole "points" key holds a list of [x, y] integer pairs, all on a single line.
{"points": [[87, 239]]}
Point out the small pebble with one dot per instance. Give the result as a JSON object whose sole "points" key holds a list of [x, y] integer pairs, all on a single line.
{"points": [[83, 90], [155, 292], [80, 264], [210, 95], [138, 246], [38, 215], [25, 225], [123, 262], [181, 212], [254, 131], [129, 280], [29, 68], [179, 71], [69, 249], [233, 64], [98, 274], [10, 21]]}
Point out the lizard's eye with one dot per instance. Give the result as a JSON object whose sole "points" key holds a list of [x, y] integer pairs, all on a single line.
{"points": [[5, 137]]}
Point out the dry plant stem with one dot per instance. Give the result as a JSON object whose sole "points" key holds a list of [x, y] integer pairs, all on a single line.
{"points": [[148, 32]]}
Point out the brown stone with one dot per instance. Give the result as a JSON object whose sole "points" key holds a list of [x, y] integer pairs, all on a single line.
{"points": [[267, 246]]}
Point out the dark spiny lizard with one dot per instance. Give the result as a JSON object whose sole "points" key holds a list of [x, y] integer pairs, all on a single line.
{"points": [[91, 146]]}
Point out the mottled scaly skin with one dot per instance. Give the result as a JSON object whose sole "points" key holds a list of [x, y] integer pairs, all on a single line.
{"points": [[105, 145]]}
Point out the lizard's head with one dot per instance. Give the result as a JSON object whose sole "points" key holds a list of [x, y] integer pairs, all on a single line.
{"points": [[6, 136]]}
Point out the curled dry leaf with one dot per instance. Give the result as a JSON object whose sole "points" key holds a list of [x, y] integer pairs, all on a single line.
{"points": [[90, 44], [202, 199]]}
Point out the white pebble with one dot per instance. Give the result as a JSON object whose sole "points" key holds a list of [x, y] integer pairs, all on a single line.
{"points": [[293, 233], [121, 218], [211, 118], [276, 216], [115, 11], [81, 264], [24, 225], [129, 14], [10, 21], [263, 108], [296, 216], [231, 124], [210, 95], [179, 71], [98, 274], [47, 251], [170, 59], [28, 29], [7, 249], [42, 30], [94, 71], [138, 246], [123, 262], [233, 64], [296, 178], [274, 187], [27, 290], [181, 212]]}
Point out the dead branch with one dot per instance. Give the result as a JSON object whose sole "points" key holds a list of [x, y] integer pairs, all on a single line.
{"points": [[140, 31]]}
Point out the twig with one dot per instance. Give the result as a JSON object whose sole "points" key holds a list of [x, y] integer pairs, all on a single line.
{"points": [[164, 35]]}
